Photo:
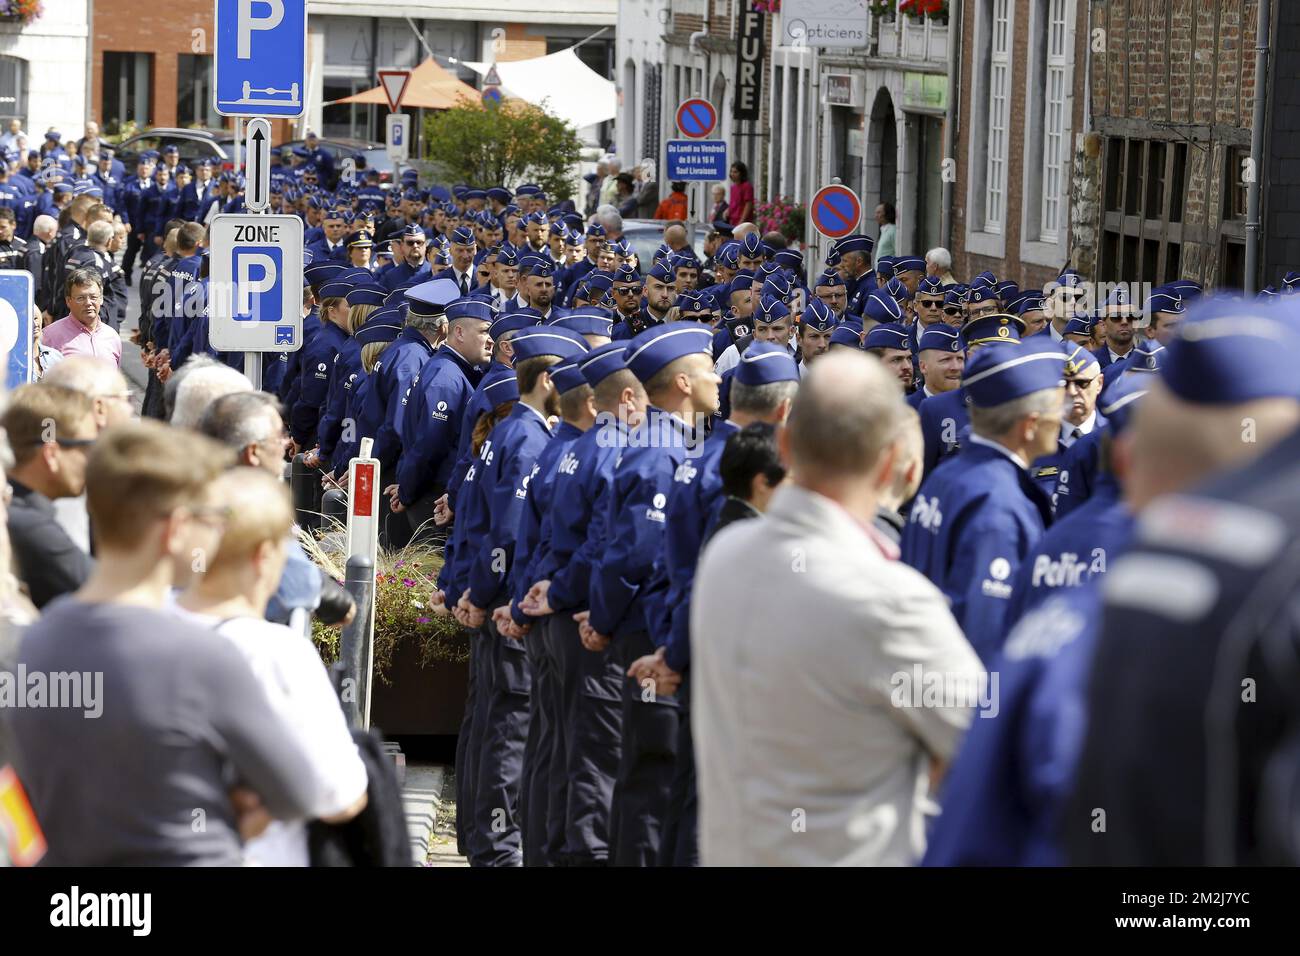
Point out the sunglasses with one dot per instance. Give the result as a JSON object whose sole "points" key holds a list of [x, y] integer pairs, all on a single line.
{"points": [[953, 310]]}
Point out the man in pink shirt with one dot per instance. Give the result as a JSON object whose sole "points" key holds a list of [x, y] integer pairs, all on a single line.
{"points": [[80, 332]]}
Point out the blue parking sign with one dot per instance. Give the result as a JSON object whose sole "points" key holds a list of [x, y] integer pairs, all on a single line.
{"points": [[696, 160], [255, 288], [16, 325], [260, 57]]}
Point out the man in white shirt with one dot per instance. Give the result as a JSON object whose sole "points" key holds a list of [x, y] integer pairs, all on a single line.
{"points": [[230, 597], [838, 771]]}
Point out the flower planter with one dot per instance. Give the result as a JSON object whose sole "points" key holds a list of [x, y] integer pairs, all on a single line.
{"points": [[419, 699]]}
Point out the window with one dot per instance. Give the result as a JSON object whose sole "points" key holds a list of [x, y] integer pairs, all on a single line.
{"points": [[999, 89], [127, 78], [13, 88], [1235, 187], [194, 92], [1054, 120]]}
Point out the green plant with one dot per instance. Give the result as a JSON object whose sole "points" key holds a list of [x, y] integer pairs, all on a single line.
{"points": [[405, 579], [507, 145]]}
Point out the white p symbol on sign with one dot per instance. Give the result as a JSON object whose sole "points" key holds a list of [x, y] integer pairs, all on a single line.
{"points": [[247, 285], [248, 23]]}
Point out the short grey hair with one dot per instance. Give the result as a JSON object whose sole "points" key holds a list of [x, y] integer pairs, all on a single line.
{"points": [[997, 420], [426, 323], [200, 388], [99, 233], [940, 258], [761, 400], [241, 419], [610, 218], [45, 226], [87, 375], [845, 415]]}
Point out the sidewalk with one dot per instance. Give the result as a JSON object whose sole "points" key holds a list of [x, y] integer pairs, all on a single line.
{"points": [[431, 820]]}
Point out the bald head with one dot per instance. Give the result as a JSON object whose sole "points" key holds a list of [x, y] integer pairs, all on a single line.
{"points": [[846, 414]]}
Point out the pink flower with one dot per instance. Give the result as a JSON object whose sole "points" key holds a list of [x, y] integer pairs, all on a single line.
{"points": [[422, 620], [399, 564], [408, 582]]}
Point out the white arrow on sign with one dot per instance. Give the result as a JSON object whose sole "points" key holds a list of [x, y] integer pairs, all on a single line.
{"points": [[257, 146]]}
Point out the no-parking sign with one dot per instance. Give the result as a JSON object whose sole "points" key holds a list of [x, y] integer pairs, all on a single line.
{"points": [[836, 211]]}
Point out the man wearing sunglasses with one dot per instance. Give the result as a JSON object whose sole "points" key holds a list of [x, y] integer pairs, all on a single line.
{"points": [[1061, 302], [50, 429], [927, 303]]}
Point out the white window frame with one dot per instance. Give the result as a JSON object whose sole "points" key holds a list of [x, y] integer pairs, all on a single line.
{"points": [[1055, 99], [980, 239], [995, 179], [1051, 59]]}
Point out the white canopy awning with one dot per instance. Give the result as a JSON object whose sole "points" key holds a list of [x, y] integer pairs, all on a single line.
{"points": [[561, 84]]}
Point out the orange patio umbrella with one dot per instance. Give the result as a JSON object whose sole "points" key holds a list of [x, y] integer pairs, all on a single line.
{"points": [[431, 87]]}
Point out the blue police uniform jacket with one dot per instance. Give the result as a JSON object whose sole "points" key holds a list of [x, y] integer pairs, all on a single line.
{"points": [[1078, 474], [533, 536], [583, 481], [693, 505], [1102, 355], [858, 290], [628, 328], [1046, 471], [917, 396], [622, 582], [477, 405], [472, 522], [133, 191], [945, 424], [154, 204], [402, 274], [110, 188], [576, 274], [516, 442], [1004, 795], [346, 368], [1075, 550], [355, 388], [291, 384], [317, 363], [430, 429], [321, 251], [384, 405], [185, 299], [311, 234], [969, 528]]}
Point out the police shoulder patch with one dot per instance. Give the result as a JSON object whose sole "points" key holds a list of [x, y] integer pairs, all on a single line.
{"points": [[1222, 530]]}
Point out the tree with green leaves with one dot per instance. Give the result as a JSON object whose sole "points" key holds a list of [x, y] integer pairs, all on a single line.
{"points": [[506, 145]]}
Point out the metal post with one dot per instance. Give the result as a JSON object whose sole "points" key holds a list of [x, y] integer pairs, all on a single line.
{"points": [[1257, 157], [356, 643]]}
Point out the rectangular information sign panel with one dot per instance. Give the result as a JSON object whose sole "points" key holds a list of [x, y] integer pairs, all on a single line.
{"points": [[696, 160], [255, 283]]}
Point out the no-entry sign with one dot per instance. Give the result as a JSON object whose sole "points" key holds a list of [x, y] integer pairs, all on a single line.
{"points": [[696, 118], [836, 211]]}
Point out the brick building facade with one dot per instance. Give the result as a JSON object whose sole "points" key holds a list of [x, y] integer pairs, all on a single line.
{"points": [[1172, 93]]}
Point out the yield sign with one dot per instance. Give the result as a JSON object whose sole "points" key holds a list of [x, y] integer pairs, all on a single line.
{"points": [[493, 78], [394, 84]]}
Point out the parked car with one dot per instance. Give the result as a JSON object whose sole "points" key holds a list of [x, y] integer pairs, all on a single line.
{"points": [[193, 144], [376, 155], [646, 235]]}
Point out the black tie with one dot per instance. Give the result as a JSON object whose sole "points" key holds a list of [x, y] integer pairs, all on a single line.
{"points": [[464, 285]]}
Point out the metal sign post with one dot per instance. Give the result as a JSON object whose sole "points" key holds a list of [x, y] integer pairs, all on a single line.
{"points": [[357, 644]]}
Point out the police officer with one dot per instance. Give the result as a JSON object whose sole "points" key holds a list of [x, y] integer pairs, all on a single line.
{"points": [[507, 459], [1197, 633], [762, 391], [545, 783], [945, 418], [979, 514], [673, 362], [342, 293], [430, 429], [589, 683], [1083, 385], [411, 266], [13, 251], [941, 358]]}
